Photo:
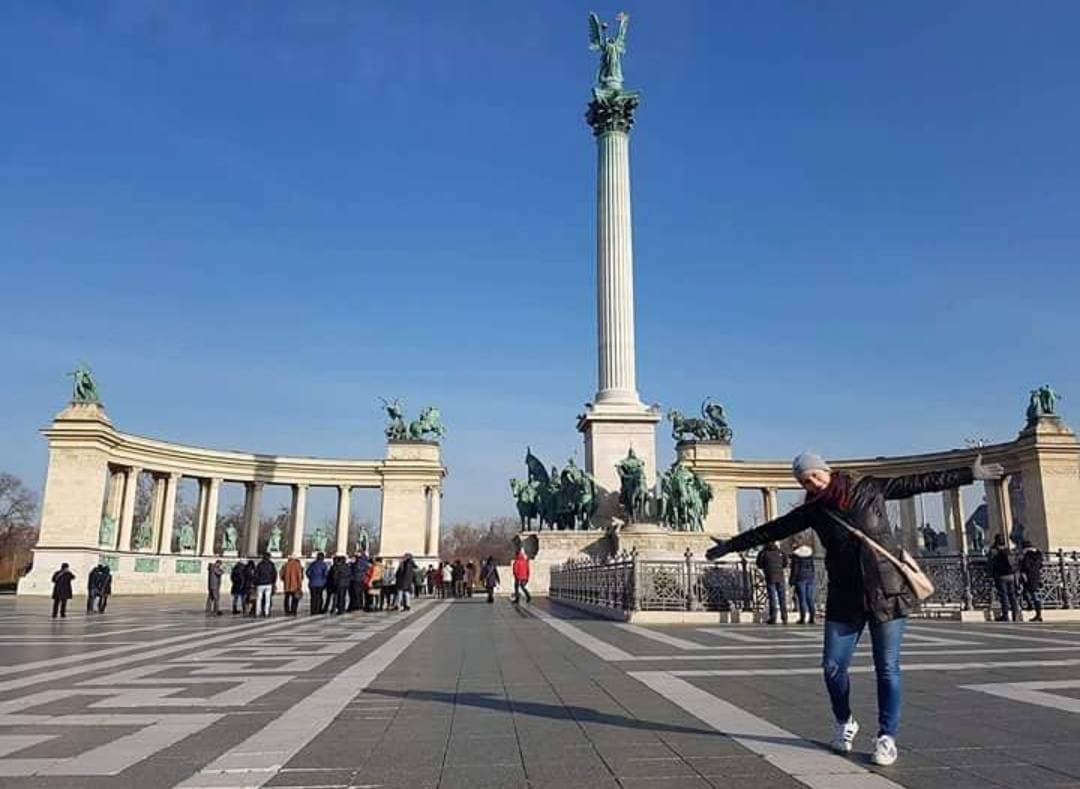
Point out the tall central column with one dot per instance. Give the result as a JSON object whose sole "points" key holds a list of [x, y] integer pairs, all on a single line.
{"points": [[615, 263]]}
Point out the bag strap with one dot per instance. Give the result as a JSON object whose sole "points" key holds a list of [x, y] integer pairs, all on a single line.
{"points": [[867, 540]]}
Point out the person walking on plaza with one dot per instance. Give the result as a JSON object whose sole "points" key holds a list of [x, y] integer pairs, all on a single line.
{"points": [[265, 581], [292, 585], [104, 590], [236, 579], [93, 589], [404, 580], [1031, 563], [866, 590], [772, 562], [1003, 570], [213, 588], [520, 570], [316, 577], [470, 578], [61, 593], [340, 578], [801, 576], [489, 577]]}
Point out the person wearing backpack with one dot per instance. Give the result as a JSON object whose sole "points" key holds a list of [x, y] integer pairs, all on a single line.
{"points": [[866, 589]]}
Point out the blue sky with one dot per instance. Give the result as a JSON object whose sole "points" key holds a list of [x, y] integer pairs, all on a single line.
{"points": [[856, 225]]}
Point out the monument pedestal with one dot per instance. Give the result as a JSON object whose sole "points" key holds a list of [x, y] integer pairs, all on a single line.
{"points": [[653, 541], [701, 457], [610, 432]]}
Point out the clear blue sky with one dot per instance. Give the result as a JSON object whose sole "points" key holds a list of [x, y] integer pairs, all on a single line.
{"points": [[856, 224]]}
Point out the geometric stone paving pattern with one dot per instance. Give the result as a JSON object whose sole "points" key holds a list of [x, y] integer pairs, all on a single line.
{"points": [[465, 694]]}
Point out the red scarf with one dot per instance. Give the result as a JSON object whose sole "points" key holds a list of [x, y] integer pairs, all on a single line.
{"points": [[837, 495]]}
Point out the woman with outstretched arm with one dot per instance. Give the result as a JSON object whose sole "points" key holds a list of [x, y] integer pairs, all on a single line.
{"points": [[865, 589]]}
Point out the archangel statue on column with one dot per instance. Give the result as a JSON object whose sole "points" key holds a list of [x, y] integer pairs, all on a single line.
{"points": [[609, 74]]}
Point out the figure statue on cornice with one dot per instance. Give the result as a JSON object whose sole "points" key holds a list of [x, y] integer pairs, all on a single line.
{"points": [[609, 74], [711, 426], [1042, 402], [84, 389], [228, 539], [396, 429], [428, 427]]}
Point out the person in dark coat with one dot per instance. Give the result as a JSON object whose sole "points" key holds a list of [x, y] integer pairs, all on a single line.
{"points": [[237, 590], [213, 588], [405, 578], [356, 583], [1003, 570], [61, 592], [340, 577], [250, 589], [772, 562], [266, 575], [93, 585], [1031, 563], [865, 589], [317, 573], [104, 587], [803, 581], [489, 577]]}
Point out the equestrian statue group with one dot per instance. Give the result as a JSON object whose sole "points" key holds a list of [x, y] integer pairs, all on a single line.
{"points": [[564, 500], [427, 427]]}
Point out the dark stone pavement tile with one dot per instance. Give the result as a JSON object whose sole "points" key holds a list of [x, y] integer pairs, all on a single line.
{"points": [[1021, 776], [483, 777], [313, 778], [730, 765], [667, 782], [935, 778]]}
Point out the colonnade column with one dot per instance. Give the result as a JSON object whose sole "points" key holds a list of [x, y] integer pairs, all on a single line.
{"points": [[343, 519], [909, 525], [998, 509], [127, 509], [115, 504], [163, 541], [769, 501], [431, 534], [157, 504], [299, 505], [252, 509], [952, 507], [208, 516]]}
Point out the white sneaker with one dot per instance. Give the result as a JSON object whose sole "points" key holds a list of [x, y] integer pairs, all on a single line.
{"points": [[844, 735], [884, 751]]}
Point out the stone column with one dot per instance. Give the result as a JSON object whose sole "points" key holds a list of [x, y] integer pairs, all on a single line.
{"points": [[299, 505], [431, 534], [209, 517], [157, 504], [909, 526], [342, 544], [163, 541], [252, 509], [952, 506], [770, 503], [998, 511], [127, 509]]}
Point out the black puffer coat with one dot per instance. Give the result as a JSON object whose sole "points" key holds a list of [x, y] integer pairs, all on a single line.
{"points": [[861, 583]]}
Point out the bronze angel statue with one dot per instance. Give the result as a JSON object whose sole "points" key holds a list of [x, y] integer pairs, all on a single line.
{"points": [[609, 75]]}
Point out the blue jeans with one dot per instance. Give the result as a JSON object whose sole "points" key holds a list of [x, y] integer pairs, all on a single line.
{"points": [[777, 600], [1006, 590], [804, 596], [885, 638]]}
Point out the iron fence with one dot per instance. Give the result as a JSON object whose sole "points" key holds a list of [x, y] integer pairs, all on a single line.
{"points": [[630, 583]]}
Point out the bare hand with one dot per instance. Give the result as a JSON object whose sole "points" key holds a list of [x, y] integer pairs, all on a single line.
{"points": [[990, 471]]}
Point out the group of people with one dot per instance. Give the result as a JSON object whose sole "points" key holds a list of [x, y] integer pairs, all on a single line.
{"points": [[1017, 576], [772, 562]]}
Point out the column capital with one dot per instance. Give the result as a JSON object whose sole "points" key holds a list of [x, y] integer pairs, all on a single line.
{"points": [[215, 482], [612, 110], [301, 485], [344, 488]]}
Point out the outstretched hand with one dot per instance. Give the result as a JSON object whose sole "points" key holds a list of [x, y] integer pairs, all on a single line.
{"points": [[989, 471], [718, 550]]}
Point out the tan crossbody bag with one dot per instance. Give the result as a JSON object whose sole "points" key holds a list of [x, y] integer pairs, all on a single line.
{"points": [[919, 582]]}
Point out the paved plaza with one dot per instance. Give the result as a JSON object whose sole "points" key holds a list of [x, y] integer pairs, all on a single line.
{"points": [[155, 694]]}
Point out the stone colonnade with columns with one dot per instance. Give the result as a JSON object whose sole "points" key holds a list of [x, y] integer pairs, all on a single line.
{"points": [[1044, 458], [89, 504]]}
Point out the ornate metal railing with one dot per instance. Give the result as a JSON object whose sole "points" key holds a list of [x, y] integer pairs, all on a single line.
{"points": [[630, 583]]}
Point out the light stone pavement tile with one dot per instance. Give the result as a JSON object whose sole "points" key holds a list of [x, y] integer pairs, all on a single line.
{"points": [[783, 672], [804, 761], [663, 638], [257, 759], [1034, 693]]}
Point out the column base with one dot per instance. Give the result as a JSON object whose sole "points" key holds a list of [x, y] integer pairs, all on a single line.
{"points": [[610, 431]]}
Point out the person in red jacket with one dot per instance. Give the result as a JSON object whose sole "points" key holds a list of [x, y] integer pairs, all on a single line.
{"points": [[520, 568]]}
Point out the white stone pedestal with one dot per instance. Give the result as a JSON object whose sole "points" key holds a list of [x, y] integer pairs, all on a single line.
{"points": [[610, 432]]}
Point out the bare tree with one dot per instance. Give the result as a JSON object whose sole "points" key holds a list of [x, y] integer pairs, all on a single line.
{"points": [[474, 543], [18, 528]]}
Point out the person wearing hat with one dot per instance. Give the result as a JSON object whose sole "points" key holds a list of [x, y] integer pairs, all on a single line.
{"points": [[865, 590]]}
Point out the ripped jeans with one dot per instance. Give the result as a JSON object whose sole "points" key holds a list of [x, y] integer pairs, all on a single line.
{"points": [[841, 639]]}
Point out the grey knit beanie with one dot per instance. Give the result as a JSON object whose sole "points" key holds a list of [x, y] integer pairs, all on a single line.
{"points": [[808, 461]]}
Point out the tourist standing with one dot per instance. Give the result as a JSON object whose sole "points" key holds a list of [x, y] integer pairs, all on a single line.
{"points": [[236, 578], [388, 588], [446, 576], [429, 579], [61, 593], [340, 578], [802, 580], [470, 578], [489, 577], [772, 562], [457, 575], [1031, 563], [1003, 570], [292, 585], [251, 590], [866, 590], [520, 570], [213, 588], [93, 582], [368, 583], [356, 582], [104, 587], [404, 579], [265, 580], [316, 575]]}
